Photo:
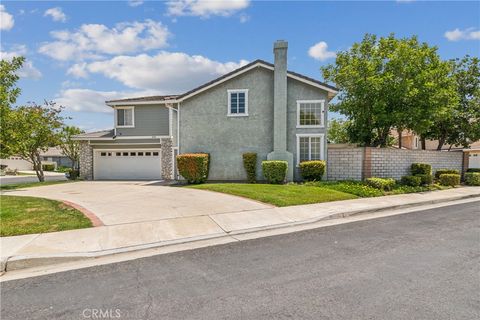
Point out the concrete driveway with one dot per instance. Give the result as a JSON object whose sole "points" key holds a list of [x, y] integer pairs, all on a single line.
{"points": [[118, 202]]}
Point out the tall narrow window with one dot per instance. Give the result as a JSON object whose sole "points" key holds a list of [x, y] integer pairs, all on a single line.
{"points": [[238, 102], [125, 117], [309, 147], [310, 113]]}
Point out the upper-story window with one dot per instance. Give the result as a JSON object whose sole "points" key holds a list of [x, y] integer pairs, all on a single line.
{"points": [[238, 102], [310, 113], [125, 117]]}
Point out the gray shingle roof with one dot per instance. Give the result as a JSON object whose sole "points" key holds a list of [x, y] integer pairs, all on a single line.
{"points": [[97, 134]]}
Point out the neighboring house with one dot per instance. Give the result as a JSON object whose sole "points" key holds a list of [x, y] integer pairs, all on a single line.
{"points": [[260, 107], [412, 141], [53, 155]]}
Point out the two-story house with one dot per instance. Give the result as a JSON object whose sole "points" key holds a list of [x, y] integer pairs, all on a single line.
{"points": [[260, 107]]}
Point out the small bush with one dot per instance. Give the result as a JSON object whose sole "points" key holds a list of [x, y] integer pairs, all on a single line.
{"points": [[381, 183], [444, 171], [73, 174], [250, 165], [412, 181], [312, 170], [449, 179], [48, 167], [425, 179], [420, 168], [473, 170], [275, 171], [193, 166], [472, 178]]}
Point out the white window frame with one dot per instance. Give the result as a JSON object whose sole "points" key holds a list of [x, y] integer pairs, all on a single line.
{"points": [[311, 135], [322, 116], [229, 112], [133, 117]]}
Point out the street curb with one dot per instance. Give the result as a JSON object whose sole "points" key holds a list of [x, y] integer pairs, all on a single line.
{"points": [[24, 262]]}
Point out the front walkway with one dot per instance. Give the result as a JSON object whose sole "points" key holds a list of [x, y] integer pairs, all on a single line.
{"points": [[37, 249]]}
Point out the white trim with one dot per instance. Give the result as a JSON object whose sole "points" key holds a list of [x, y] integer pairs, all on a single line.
{"points": [[170, 116], [129, 103], [322, 116], [229, 111], [311, 135], [121, 138], [133, 117], [125, 143]]}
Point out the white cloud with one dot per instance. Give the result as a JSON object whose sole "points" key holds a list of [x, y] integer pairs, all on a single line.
{"points": [[171, 72], [320, 51], [87, 100], [205, 8], [56, 14], [78, 70], [467, 34], [27, 70], [92, 41], [6, 19], [135, 3]]}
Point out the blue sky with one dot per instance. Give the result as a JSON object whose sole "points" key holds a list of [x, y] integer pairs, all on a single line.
{"points": [[82, 53]]}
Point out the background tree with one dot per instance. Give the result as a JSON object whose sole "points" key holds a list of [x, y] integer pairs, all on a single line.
{"points": [[70, 147], [9, 93], [36, 129], [461, 124], [389, 83], [337, 131]]}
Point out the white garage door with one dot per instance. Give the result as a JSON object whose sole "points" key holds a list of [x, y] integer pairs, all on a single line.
{"points": [[127, 165], [474, 160]]}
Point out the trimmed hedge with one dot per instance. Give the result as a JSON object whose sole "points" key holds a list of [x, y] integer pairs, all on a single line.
{"points": [[274, 171], [412, 181], [445, 171], [312, 170], [193, 166], [48, 167], [420, 168], [472, 178], [381, 183], [425, 179], [250, 165], [449, 179], [473, 170]]}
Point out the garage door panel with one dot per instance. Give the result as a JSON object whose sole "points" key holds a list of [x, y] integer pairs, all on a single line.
{"points": [[127, 165]]}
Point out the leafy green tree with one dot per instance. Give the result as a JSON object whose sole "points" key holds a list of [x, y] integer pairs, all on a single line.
{"points": [[36, 128], [461, 124], [388, 83], [9, 93], [338, 131], [70, 147]]}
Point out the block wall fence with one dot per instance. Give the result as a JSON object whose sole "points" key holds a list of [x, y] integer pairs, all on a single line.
{"points": [[358, 163]]}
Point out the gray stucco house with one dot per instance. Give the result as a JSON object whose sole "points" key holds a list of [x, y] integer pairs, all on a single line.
{"points": [[260, 107]]}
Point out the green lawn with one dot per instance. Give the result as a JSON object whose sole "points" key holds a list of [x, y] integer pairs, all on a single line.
{"points": [[31, 184], [278, 195], [25, 215]]}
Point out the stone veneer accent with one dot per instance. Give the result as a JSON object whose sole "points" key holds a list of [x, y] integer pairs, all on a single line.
{"points": [[353, 163], [86, 161], [167, 158]]}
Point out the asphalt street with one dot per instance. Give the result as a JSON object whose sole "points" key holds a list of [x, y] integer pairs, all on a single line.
{"points": [[420, 265]]}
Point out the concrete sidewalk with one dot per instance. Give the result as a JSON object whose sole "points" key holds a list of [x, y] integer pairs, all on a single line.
{"points": [[49, 176], [49, 248]]}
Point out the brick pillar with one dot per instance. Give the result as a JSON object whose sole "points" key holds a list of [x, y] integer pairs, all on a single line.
{"points": [[465, 163], [86, 161], [167, 158], [367, 163]]}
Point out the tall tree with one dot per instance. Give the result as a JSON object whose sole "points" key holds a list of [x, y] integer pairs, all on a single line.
{"points": [[70, 147], [9, 93], [388, 83], [338, 131], [461, 124], [36, 129]]}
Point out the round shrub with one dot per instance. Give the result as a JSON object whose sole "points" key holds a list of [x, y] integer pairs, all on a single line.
{"points": [[444, 171], [425, 179], [381, 183], [250, 165], [412, 181], [449, 179], [312, 170], [72, 174], [193, 166], [274, 171], [472, 178], [473, 170], [420, 168], [48, 167]]}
